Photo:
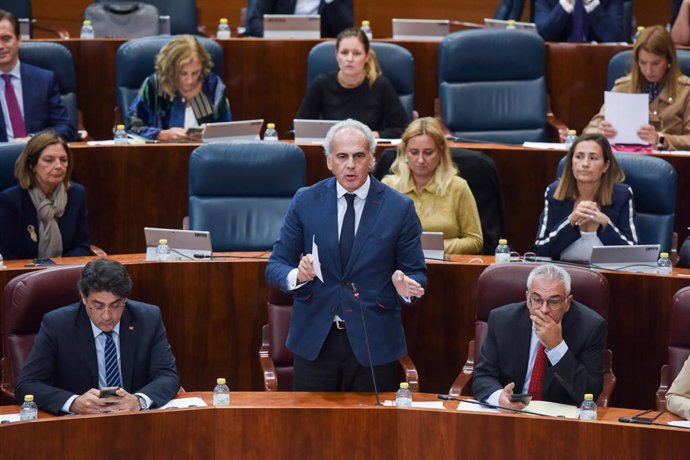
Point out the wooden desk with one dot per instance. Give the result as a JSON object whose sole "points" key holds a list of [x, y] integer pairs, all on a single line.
{"points": [[268, 78], [214, 311], [337, 425]]}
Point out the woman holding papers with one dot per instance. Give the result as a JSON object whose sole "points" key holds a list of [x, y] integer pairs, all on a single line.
{"points": [[424, 171], [655, 72], [181, 95], [588, 205], [45, 215], [356, 90]]}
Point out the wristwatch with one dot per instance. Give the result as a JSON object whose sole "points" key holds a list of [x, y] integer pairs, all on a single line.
{"points": [[143, 405]]}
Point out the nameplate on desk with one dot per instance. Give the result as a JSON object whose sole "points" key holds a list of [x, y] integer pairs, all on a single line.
{"points": [[420, 29], [292, 26]]}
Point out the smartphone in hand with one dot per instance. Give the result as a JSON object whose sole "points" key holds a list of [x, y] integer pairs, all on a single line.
{"points": [[524, 398], [108, 392]]}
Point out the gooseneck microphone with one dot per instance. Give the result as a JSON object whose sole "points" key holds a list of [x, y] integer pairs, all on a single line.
{"points": [[638, 418], [355, 291], [494, 406]]}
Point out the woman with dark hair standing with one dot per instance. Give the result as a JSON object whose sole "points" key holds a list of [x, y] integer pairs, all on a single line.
{"points": [[588, 205], [45, 215], [356, 90]]}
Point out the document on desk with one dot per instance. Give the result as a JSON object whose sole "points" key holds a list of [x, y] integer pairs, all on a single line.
{"points": [[315, 258], [680, 423], [468, 406], [627, 113], [545, 146], [418, 404], [181, 403], [553, 409], [5, 418]]}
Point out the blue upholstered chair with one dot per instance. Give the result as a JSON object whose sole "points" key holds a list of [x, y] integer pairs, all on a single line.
{"points": [[396, 62], [653, 182], [135, 61], [183, 14], [509, 9], [58, 59], [492, 86], [620, 64], [240, 191], [9, 152]]}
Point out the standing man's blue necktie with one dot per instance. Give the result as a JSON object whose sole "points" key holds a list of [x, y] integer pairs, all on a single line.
{"points": [[112, 369], [347, 231], [577, 33]]}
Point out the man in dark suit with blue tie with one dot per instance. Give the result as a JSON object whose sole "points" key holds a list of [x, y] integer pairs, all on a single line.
{"points": [[365, 238], [105, 340], [29, 96]]}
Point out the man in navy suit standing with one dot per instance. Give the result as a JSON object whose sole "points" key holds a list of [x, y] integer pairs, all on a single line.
{"points": [[105, 340], [365, 238], [29, 96]]}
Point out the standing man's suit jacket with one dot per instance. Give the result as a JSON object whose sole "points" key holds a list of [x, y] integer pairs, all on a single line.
{"points": [[505, 352], [43, 108], [388, 238], [63, 360]]}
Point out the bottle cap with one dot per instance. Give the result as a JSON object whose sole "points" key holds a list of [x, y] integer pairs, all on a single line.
{"points": [[87, 22], [589, 397], [664, 255], [572, 132], [220, 381], [502, 241], [162, 241], [640, 28], [511, 22], [120, 127], [365, 23], [28, 398], [223, 20], [271, 126], [404, 385]]}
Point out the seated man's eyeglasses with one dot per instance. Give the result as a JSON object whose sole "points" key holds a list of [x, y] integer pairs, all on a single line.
{"points": [[100, 307], [554, 303]]}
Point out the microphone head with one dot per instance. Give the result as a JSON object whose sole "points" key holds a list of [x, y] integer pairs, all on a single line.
{"points": [[624, 420]]}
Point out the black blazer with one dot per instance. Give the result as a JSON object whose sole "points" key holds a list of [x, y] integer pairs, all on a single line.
{"points": [[504, 354], [63, 360]]}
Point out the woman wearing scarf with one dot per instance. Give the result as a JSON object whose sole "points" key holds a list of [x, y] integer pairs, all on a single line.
{"points": [[45, 215], [655, 72]]}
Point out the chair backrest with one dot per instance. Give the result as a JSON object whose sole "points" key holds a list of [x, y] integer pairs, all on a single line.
{"points": [[279, 314], [509, 9], [9, 152], [123, 19], [58, 59], [621, 63], [502, 284], [135, 61], [492, 85], [25, 299], [653, 182], [480, 172], [396, 63], [678, 337], [183, 13], [240, 191]]}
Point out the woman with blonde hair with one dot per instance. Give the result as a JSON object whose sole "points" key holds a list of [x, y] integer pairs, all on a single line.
{"points": [[655, 72], [356, 90], [181, 94], [588, 205], [44, 215], [424, 171]]}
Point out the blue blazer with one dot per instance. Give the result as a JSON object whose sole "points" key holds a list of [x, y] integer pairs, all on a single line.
{"points": [[43, 108], [604, 24], [505, 353], [388, 238], [63, 359], [17, 212]]}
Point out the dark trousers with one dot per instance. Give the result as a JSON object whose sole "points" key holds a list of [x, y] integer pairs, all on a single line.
{"points": [[337, 369]]}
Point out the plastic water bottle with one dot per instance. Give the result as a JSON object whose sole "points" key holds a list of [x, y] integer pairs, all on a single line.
{"points": [[2, 262], [664, 265], [570, 138], [403, 397], [162, 250], [120, 135], [87, 30], [223, 29], [29, 409], [366, 28], [638, 33], [221, 393], [502, 251], [271, 134], [588, 408]]}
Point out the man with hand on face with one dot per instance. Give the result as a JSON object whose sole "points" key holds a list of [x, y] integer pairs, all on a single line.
{"points": [[368, 241], [103, 341], [549, 346]]}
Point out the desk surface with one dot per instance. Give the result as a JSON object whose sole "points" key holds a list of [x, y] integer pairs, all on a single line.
{"points": [[336, 425]]}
